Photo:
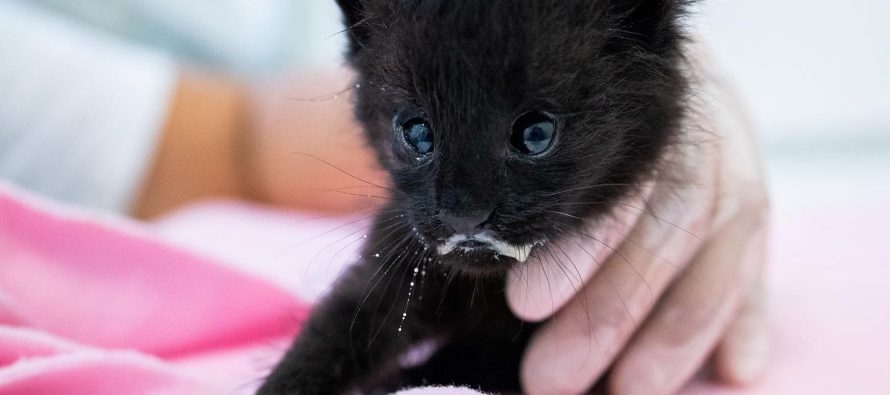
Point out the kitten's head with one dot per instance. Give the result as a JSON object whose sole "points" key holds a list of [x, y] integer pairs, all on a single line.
{"points": [[503, 123]]}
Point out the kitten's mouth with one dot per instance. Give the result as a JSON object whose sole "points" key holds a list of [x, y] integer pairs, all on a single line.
{"points": [[471, 244], [485, 240]]}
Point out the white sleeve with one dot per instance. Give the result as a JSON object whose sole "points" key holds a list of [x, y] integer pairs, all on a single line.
{"points": [[79, 111], [250, 38]]}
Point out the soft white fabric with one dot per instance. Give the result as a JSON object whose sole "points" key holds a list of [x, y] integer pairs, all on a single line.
{"points": [[247, 37], [79, 110], [85, 85]]}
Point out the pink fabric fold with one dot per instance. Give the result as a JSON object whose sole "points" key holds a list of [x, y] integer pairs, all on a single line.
{"points": [[90, 305], [32, 362], [96, 283]]}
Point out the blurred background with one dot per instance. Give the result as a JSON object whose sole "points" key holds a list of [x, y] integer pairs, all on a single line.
{"points": [[814, 76]]}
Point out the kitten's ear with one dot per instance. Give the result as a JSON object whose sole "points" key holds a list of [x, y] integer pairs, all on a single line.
{"points": [[354, 19], [653, 22]]}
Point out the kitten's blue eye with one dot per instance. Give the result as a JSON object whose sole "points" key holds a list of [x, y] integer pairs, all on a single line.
{"points": [[418, 135], [533, 133]]}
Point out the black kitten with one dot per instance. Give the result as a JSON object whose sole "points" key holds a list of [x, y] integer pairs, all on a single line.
{"points": [[495, 120]]}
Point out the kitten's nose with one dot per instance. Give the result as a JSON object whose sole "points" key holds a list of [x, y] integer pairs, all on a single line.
{"points": [[467, 224]]}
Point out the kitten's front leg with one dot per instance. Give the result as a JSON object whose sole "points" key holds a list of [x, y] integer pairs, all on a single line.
{"points": [[353, 336]]}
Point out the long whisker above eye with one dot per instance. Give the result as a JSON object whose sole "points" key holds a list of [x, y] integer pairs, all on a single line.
{"points": [[330, 96], [361, 210], [345, 188], [361, 194], [347, 29], [344, 171]]}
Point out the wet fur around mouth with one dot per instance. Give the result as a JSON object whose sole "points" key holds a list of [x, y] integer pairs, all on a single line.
{"points": [[610, 72], [496, 248]]}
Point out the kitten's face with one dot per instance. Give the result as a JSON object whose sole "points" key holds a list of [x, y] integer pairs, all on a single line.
{"points": [[504, 123]]}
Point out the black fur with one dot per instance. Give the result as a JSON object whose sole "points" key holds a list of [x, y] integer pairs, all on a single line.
{"points": [[610, 71]]}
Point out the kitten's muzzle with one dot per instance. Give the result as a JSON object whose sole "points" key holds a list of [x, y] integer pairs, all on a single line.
{"points": [[465, 224]]}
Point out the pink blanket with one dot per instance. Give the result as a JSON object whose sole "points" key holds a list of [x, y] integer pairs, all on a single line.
{"points": [[205, 301]]}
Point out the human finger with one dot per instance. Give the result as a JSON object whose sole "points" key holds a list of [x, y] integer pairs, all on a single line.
{"points": [[742, 354], [572, 350], [693, 314]]}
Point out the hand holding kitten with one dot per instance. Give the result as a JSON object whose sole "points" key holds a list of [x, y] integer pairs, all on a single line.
{"points": [[681, 288], [513, 134]]}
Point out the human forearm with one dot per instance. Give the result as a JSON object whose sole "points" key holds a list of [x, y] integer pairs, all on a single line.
{"points": [[198, 154], [223, 139]]}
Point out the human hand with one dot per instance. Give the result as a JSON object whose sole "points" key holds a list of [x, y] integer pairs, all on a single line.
{"points": [[681, 285]]}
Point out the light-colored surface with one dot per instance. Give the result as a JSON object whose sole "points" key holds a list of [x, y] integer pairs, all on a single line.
{"points": [[805, 68]]}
